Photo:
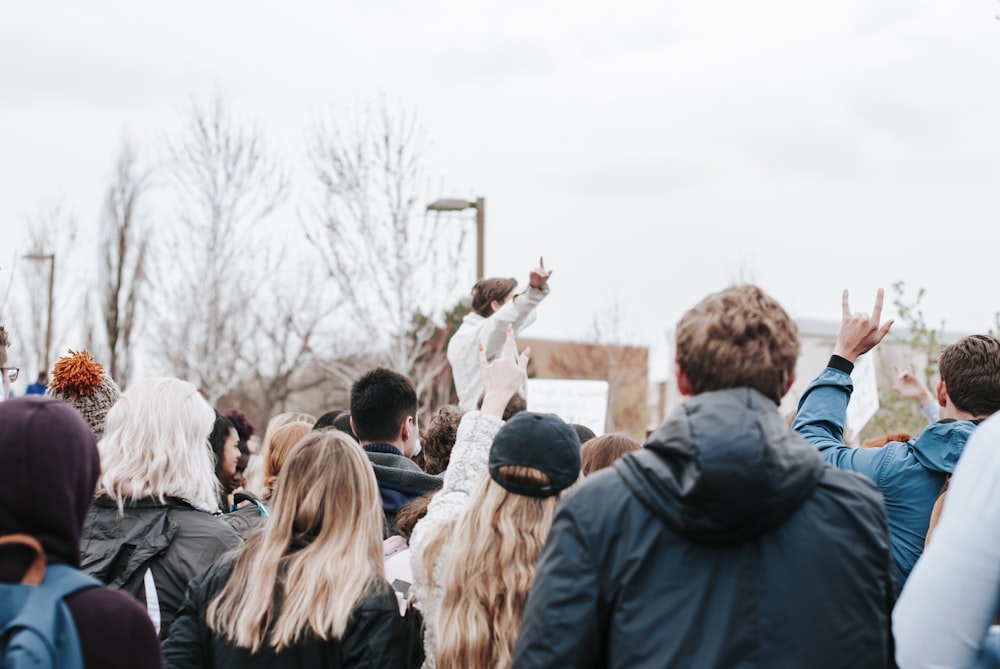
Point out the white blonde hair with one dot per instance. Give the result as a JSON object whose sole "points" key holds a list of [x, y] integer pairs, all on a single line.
{"points": [[156, 445], [254, 474]]}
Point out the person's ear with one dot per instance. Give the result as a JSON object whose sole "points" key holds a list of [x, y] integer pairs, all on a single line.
{"points": [[791, 382], [942, 394], [404, 429], [353, 429], [683, 382], [494, 306]]}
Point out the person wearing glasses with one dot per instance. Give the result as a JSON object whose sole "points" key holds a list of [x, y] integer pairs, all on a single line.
{"points": [[8, 374]]}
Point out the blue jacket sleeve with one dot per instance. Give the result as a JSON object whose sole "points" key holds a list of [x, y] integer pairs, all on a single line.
{"points": [[820, 419], [561, 625]]}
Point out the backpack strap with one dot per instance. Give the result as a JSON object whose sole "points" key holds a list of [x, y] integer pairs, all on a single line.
{"points": [[36, 571], [42, 626], [247, 496]]}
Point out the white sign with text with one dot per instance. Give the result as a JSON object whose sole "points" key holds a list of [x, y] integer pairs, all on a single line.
{"points": [[573, 400]]}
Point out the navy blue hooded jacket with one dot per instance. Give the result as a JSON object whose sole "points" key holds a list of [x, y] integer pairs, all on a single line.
{"points": [[724, 543]]}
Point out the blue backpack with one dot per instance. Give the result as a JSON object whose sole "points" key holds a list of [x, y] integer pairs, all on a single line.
{"points": [[36, 627]]}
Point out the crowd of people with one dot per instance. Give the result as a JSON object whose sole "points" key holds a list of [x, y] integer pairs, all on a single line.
{"points": [[498, 537]]}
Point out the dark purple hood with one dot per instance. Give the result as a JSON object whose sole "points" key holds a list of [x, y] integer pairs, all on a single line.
{"points": [[48, 471]]}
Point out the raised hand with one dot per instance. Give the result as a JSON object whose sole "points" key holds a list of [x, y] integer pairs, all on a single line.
{"points": [[859, 332], [504, 376], [539, 276], [909, 385]]}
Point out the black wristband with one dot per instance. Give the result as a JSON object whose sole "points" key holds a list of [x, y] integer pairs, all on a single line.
{"points": [[842, 364]]}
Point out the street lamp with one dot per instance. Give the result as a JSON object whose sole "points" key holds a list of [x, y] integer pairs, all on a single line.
{"points": [[51, 258], [459, 205]]}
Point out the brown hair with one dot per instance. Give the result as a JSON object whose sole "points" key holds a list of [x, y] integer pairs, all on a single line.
{"points": [[408, 516], [438, 439], [738, 337], [487, 290], [516, 405], [281, 445], [970, 369], [601, 452], [276, 596]]}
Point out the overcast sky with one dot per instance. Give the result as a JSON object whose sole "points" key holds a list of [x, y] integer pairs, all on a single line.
{"points": [[652, 151]]}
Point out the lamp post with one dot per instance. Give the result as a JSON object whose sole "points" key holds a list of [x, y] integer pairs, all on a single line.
{"points": [[51, 258], [459, 205]]}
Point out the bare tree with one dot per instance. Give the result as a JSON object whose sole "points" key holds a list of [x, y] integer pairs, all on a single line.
{"points": [[291, 323], [51, 247], [396, 268], [226, 183], [124, 257]]}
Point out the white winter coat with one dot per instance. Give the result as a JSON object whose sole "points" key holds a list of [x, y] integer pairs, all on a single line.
{"points": [[468, 464], [463, 349]]}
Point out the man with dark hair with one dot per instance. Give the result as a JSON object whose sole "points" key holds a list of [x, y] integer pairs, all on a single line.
{"points": [[909, 474], [725, 542], [384, 417], [494, 308]]}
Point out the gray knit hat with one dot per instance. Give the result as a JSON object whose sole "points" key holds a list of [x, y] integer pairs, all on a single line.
{"points": [[80, 380]]}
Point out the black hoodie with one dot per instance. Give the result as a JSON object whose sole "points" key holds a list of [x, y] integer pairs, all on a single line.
{"points": [[48, 471], [726, 542]]}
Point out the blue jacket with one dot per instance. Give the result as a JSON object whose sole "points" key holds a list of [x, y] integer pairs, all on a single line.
{"points": [[400, 481], [909, 475]]}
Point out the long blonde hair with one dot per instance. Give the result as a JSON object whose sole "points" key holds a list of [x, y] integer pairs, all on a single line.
{"points": [[155, 445], [490, 560], [254, 473], [326, 497]]}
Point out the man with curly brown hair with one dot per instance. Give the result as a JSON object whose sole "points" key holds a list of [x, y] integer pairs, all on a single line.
{"points": [[725, 541]]}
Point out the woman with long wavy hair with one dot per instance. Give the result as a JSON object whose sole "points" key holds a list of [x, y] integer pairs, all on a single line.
{"points": [[307, 590], [474, 553]]}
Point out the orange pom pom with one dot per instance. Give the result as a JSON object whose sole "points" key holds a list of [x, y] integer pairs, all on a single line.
{"points": [[77, 374]]}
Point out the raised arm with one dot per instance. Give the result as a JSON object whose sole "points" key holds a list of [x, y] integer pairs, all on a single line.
{"points": [[519, 312], [822, 409], [909, 385], [501, 379]]}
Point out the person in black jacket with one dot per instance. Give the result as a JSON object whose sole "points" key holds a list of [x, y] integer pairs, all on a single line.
{"points": [[725, 542], [384, 416], [151, 528], [309, 589]]}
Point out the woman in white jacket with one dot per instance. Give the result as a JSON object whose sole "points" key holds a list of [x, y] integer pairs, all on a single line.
{"points": [[494, 307], [474, 553]]}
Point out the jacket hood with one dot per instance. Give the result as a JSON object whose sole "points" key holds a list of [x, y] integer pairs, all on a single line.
{"points": [[724, 468], [48, 472], [939, 446], [400, 480]]}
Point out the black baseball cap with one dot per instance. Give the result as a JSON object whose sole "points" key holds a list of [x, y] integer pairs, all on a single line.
{"points": [[542, 441]]}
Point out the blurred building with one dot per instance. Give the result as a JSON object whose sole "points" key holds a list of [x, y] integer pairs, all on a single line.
{"points": [[625, 368]]}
